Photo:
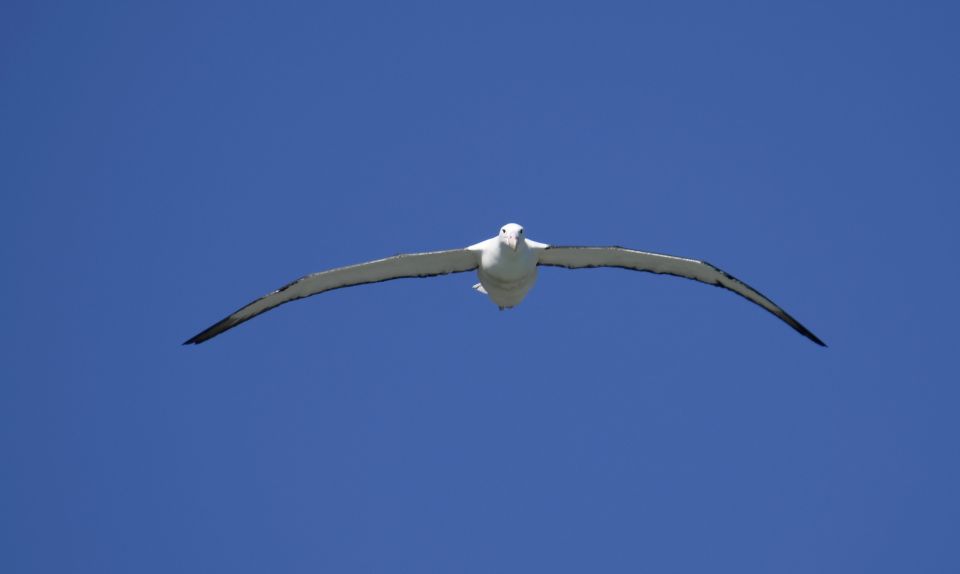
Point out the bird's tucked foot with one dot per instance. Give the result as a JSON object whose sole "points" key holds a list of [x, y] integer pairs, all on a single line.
{"points": [[479, 288]]}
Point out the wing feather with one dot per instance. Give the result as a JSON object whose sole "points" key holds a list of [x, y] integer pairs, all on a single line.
{"points": [[586, 257], [427, 264]]}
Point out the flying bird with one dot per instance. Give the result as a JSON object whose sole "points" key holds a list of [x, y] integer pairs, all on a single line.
{"points": [[507, 268]]}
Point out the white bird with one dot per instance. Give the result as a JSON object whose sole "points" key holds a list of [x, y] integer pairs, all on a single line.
{"points": [[507, 267]]}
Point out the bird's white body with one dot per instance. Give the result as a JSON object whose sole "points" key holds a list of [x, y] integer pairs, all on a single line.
{"points": [[508, 266]]}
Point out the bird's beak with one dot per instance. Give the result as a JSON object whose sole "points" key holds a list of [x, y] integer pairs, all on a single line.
{"points": [[512, 242]]}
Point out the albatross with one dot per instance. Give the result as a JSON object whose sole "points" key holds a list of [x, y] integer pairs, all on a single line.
{"points": [[507, 268]]}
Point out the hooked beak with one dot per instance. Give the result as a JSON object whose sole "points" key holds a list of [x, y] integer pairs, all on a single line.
{"points": [[512, 242]]}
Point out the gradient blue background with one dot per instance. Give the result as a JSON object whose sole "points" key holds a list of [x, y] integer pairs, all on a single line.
{"points": [[165, 163]]}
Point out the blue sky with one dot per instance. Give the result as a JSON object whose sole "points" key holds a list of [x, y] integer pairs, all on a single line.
{"points": [[164, 164]]}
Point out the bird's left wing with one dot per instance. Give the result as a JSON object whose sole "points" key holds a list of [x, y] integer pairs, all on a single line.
{"points": [[583, 257], [397, 267]]}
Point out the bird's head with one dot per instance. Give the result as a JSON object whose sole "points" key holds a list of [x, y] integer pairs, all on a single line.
{"points": [[511, 235]]}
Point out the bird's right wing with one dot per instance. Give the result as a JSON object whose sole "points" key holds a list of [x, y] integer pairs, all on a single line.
{"points": [[397, 267], [586, 257]]}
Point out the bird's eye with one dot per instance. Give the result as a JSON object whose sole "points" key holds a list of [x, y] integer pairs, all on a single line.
{"points": [[503, 230], [521, 232]]}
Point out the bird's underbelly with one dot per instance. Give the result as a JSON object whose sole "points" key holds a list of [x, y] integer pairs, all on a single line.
{"points": [[507, 291]]}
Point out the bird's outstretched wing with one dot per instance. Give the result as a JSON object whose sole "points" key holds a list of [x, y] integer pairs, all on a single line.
{"points": [[397, 267], [583, 257]]}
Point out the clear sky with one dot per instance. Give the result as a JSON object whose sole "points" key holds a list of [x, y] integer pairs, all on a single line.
{"points": [[164, 163]]}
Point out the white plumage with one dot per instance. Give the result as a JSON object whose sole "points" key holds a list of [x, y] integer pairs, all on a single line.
{"points": [[507, 268]]}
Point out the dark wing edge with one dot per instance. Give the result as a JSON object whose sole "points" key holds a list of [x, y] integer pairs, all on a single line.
{"points": [[748, 293], [428, 264]]}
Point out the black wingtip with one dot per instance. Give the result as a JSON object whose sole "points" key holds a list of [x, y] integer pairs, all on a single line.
{"points": [[201, 337], [194, 340], [213, 330], [806, 332]]}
